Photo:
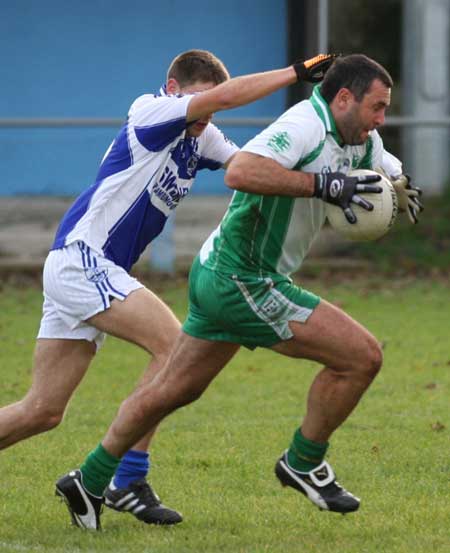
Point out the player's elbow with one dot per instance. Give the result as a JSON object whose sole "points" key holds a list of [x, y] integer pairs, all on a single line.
{"points": [[235, 177], [243, 173]]}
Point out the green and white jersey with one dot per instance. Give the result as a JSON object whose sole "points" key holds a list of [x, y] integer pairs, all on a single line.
{"points": [[263, 235]]}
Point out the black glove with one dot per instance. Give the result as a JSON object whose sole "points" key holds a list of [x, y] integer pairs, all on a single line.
{"points": [[313, 70], [341, 190]]}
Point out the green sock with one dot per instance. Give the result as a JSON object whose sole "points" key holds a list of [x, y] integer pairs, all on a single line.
{"points": [[305, 455], [98, 469]]}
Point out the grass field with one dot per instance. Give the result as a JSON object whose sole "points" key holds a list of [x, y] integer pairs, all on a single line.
{"points": [[214, 459]]}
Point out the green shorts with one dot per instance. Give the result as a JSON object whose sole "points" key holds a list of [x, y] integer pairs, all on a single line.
{"points": [[247, 310]]}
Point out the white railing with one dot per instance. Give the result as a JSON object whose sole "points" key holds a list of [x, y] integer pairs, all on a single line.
{"points": [[58, 122]]}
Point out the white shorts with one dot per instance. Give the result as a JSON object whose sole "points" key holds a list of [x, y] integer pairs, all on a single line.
{"points": [[79, 283]]}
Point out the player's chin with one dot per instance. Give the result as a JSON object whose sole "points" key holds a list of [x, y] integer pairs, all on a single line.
{"points": [[359, 140], [364, 136], [196, 130]]}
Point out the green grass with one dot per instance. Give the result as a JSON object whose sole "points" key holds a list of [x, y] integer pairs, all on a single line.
{"points": [[214, 459]]}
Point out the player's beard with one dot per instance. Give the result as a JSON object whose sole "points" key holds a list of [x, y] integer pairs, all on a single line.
{"points": [[352, 129]]}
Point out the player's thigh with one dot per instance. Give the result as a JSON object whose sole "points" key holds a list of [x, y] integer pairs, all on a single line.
{"points": [[59, 365], [330, 336], [141, 318]]}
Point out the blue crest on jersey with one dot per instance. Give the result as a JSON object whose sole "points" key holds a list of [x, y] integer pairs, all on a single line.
{"points": [[186, 158]]}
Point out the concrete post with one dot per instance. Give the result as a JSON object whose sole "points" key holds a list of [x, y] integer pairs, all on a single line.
{"points": [[162, 249], [308, 35], [426, 72], [322, 31]]}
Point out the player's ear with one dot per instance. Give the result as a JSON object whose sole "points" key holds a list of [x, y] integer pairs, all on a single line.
{"points": [[172, 86], [344, 97]]}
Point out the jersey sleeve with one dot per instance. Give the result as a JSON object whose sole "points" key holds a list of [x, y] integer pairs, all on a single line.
{"points": [[216, 148], [382, 159], [377, 150], [289, 140], [158, 120], [391, 165]]}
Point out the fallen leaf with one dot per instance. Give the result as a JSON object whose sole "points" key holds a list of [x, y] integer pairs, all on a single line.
{"points": [[437, 426]]}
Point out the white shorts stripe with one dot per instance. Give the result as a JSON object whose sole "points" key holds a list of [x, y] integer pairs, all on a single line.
{"points": [[78, 284]]}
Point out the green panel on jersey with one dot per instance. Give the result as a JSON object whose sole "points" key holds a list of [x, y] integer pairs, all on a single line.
{"points": [[323, 110], [252, 234], [276, 215], [310, 157], [367, 162]]}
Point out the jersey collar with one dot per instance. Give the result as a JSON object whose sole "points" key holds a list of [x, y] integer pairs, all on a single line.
{"points": [[163, 90], [324, 112]]}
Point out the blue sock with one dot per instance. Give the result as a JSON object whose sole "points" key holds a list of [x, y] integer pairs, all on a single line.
{"points": [[133, 466]]}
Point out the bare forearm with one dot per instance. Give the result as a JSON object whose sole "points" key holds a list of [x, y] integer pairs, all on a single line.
{"points": [[261, 175], [239, 91], [248, 88]]}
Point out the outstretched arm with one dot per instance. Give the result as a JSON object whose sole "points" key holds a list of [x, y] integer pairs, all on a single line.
{"points": [[248, 88]]}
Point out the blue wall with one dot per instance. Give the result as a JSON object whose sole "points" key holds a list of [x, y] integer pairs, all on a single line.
{"points": [[93, 57]]}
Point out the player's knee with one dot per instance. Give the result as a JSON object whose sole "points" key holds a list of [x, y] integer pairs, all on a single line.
{"points": [[44, 419], [52, 420], [366, 363], [160, 358], [373, 359], [161, 351]]}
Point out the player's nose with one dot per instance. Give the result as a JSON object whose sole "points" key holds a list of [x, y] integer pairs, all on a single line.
{"points": [[379, 119]]}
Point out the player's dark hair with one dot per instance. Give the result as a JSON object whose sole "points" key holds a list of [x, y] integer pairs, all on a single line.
{"points": [[197, 65], [355, 72]]}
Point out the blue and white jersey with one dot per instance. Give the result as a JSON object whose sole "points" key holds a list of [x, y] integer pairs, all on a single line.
{"points": [[145, 173]]}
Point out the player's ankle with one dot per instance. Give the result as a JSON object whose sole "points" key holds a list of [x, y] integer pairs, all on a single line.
{"points": [[305, 455]]}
